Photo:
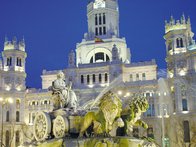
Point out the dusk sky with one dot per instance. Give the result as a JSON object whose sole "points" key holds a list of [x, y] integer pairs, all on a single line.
{"points": [[52, 28]]}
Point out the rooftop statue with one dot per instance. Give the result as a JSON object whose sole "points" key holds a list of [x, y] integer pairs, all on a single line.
{"points": [[63, 95]]}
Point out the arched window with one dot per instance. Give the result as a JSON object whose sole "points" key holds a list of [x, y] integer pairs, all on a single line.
{"points": [[82, 79], [17, 116], [7, 138], [17, 138], [96, 19], [94, 79], [45, 102], [184, 105], [100, 78], [106, 77], [88, 79], [7, 116]]}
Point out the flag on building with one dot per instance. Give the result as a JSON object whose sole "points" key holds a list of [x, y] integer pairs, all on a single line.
{"points": [[98, 40]]}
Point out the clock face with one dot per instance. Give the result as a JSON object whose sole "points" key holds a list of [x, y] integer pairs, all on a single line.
{"points": [[99, 4]]}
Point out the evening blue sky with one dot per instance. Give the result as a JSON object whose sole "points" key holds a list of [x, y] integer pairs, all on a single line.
{"points": [[52, 28]]}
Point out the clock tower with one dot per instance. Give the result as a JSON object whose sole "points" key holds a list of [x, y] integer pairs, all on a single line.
{"points": [[103, 19], [102, 35]]}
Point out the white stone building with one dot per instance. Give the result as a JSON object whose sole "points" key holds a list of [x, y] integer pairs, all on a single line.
{"points": [[101, 62]]}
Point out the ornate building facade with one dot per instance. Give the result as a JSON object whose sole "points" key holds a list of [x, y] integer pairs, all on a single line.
{"points": [[102, 62]]}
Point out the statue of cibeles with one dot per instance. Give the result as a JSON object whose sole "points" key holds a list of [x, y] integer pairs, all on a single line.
{"points": [[63, 95]]}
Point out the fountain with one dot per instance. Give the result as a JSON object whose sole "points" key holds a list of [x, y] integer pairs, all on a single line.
{"points": [[108, 126]]}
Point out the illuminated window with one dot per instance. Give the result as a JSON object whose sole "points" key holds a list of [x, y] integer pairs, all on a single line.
{"points": [[82, 79], [17, 103], [17, 116]]}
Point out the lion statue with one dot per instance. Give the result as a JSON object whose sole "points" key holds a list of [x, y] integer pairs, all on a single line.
{"points": [[106, 121], [131, 115]]}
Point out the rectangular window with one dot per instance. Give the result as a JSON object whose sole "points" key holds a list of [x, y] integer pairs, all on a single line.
{"points": [[100, 78], [186, 131], [94, 80], [96, 19], [184, 105], [82, 79], [100, 21], [9, 61], [96, 31], [104, 20], [88, 79], [104, 30], [106, 77], [100, 30]]}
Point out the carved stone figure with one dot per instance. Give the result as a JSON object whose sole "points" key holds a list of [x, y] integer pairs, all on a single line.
{"points": [[132, 114], [63, 95], [107, 119]]}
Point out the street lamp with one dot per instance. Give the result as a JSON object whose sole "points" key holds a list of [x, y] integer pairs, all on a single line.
{"points": [[3, 102]]}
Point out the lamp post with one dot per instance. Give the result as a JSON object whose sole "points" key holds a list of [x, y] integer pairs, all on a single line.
{"points": [[3, 102]]}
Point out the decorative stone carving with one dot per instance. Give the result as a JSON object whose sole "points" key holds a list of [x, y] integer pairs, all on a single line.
{"points": [[60, 126], [42, 126]]}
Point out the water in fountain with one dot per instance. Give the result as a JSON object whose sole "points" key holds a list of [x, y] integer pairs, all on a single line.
{"points": [[93, 103]]}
